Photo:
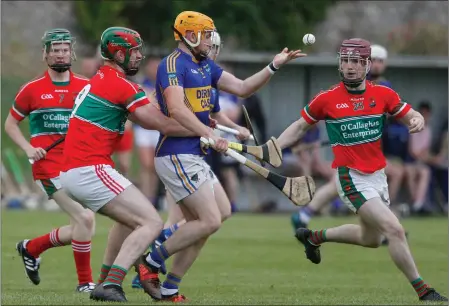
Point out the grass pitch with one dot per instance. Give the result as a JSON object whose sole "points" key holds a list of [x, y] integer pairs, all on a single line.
{"points": [[253, 259]]}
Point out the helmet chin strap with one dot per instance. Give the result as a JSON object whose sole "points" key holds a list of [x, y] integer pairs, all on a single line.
{"points": [[198, 56], [60, 67]]}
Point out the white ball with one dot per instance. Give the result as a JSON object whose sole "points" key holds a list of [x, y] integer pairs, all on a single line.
{"points": [[308, 39]]}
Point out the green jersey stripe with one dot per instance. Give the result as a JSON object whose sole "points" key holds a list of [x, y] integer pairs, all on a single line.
{"points": [[103, 101], [99, 125]]}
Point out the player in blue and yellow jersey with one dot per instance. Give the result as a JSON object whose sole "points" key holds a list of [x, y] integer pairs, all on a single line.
{"points": [[184, 85]]}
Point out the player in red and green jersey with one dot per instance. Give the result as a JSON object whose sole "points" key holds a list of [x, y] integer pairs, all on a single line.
{"points": [[47, 101], [97, 124], [354, 112]]}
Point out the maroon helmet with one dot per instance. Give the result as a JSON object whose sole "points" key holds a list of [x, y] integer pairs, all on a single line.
{"points": [[354, 61]]}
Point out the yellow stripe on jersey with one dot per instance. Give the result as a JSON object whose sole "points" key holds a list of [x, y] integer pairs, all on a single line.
{"points": [[199, 98], [187, 103], [171, 68]]}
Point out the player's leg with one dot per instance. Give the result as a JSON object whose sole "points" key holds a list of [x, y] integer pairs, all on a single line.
{"points": [[421, 186], [78, 234], [203, 219], [174, 220], [371, 204], [230, 180], [146, 142], [323, 196], [83, 226], [395, 173], [187, 179], [102, 189]]}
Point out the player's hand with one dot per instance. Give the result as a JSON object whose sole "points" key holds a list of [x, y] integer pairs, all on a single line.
{"points": [[285, 56], [212, 123], [36, 153], [244, 133], [416, 124], [219, 144]]}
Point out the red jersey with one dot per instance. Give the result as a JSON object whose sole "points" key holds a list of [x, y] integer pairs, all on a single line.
{"points": [[98, 119], [354, 123], [48, 105]]}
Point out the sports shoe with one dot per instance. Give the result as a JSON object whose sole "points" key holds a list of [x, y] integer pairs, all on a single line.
{"points": [[296, 221], [312, 251], [31, 264], [149, 278], [108, 293], [87, 287], [175, 298], [136, 282], [432, 295]]}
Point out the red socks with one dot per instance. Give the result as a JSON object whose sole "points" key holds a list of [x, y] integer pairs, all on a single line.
{"points": [[37, 246], [81, 252]]}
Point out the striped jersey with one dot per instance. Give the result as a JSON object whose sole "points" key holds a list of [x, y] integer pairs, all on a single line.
{"points": [[48, 106], [97, 122], [354, 123], [198, 80]]}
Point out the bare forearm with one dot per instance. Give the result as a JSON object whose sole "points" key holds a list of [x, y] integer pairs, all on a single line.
{"points": [[16, 135], [174, 128], [255, 82], [189, 121], [293, 134], [224, 120]]}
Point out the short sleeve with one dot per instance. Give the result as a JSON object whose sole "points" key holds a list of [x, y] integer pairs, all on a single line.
{"points": [[314, 111], [215, 101], [170, 72], [216, 72], [22, 104], [394, 105], [134, 96]]}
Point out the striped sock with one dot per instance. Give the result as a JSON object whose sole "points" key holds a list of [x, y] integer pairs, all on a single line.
{"points": [[37, 246], [158, 257], [171, 284], [103, 273], [115, 276], [317, 237], [81, 252], [420, 286]]}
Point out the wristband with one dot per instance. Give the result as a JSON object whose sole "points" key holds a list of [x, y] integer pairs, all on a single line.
{"points": [[271, 68]]}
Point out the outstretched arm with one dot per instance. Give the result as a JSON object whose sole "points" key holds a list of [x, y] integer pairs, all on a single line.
{"points": [[245, 88], [293, 133]]}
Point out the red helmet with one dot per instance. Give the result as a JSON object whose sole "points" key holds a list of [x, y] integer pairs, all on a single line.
{"points": [[357, 52]]}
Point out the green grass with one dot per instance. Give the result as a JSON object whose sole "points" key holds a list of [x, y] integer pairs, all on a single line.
{"points": [[253, 259]]}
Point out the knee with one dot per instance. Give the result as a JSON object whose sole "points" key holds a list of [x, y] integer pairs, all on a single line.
{"points": [[211, 225], [226, 213], [86, 219], [373, 242], [394, 230]]}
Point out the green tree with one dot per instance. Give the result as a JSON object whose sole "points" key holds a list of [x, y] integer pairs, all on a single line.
{"points": [[95, 16], [262, 25]]}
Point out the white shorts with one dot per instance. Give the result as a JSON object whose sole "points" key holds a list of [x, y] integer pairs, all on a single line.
{"points": [[93, 186], [49, 186], [183, 174], [355, 188], [145, 138]]}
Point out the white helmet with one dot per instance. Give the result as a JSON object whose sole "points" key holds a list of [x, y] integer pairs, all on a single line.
{"points": [[216, 46], [378, 52]]}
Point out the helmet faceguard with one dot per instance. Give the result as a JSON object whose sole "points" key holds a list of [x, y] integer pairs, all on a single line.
{"points": [[216, 46], [203, 29], [354, 61], [127, 41], [58, 49]]}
